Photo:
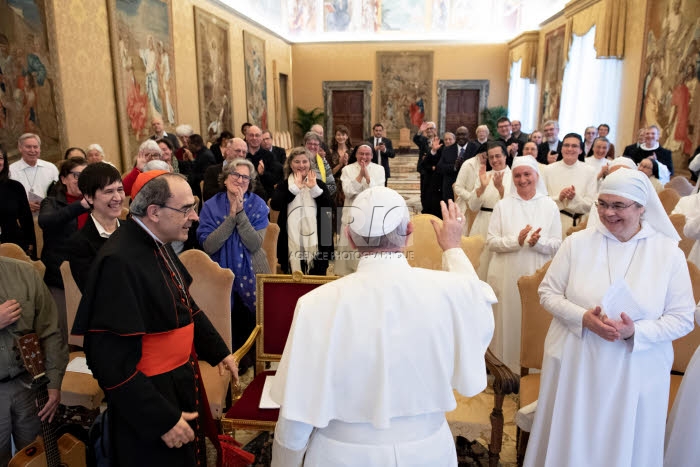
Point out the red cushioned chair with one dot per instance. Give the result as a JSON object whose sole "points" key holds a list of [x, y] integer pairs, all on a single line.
{"points": [[277, 296]]}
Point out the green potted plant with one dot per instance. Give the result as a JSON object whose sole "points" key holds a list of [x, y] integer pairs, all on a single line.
{"points": [[306, 119], [490, 115]]}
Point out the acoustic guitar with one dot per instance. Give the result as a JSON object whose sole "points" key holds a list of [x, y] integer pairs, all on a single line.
{"points": [[46, 450]]}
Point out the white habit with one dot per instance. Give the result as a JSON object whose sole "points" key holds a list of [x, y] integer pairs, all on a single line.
{"points": [[597, 165], [682, 429], [485, 204], [510, 261], [604, 403], [371, 360], [346, 260], [466, 178], [583, 177], [692, 228]]}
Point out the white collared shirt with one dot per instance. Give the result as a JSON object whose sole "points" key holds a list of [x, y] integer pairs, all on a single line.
{"points": [[101, 230], [35, 179]]}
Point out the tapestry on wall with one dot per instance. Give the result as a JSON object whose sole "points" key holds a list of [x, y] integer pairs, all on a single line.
{"points": [[142, 56], [554, 63], [213, 74], [29, 100], [670, 74], [255, 79], [404, 83]]}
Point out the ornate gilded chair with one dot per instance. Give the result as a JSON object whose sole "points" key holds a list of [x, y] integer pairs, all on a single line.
{"points": [[269, 244], [686, 244], [533, 330], [424, 251], [211, 290], [681, 185], [669, 198], [277, 296], [77, 389]]}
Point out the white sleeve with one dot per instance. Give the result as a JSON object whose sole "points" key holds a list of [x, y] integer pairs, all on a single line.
{"points": [[694, 164], [679, 306], [496, 241], [550, 240], [552, 291]]}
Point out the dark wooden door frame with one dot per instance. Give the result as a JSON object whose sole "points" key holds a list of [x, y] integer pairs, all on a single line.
{"points": [[443, 85], [364, 86]]}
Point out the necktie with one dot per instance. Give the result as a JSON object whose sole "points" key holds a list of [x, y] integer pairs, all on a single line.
{"points": [[460, 159]]}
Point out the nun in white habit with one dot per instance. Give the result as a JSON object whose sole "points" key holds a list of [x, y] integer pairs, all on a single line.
{"points": [[682, 428], [524, 233], [606, 369], [490, 188]]}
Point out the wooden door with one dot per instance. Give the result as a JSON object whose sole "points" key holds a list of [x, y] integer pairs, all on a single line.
{"points": [[462, 109], [348, 110]]}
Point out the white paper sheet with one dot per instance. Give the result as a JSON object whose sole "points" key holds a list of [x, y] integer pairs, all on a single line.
{"points": [[79, 365], [265, 401], [617, 299]]}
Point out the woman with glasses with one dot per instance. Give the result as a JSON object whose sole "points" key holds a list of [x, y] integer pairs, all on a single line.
{"points": [[306, 238], [63, 212], [607, 360], [16, 222], [650, 168], [319, 164], [231, 230]]}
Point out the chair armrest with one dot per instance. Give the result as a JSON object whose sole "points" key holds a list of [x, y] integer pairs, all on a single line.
{"points": [[505, 381], [240, 353]]}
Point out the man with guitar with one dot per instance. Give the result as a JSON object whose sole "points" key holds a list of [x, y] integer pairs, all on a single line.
{"points": [[26, 307]]}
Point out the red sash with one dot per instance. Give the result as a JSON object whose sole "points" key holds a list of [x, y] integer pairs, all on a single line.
{"points": [[165, 351]]}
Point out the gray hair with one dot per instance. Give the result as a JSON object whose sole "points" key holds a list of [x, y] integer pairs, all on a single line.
{"points": [[231, 168], [149, 146], [484, 127], [391, 240], [603, 139], [551, 122], [312, 135], [184, 130], [157, 164], [96, 147], [27, 136], [156, 191]]}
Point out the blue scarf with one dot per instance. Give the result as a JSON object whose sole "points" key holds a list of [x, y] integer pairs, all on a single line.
{"points": [[233, 254]]}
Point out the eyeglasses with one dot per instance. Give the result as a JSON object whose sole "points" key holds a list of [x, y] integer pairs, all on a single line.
{"points": [[184, 211], [312, 143], [506, 125], [238, 176], [575, 145], [617, 207], [75, 175]]}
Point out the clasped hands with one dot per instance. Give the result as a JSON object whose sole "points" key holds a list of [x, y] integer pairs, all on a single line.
{"points": [[567, 193], [609, 329], [534, 238]]}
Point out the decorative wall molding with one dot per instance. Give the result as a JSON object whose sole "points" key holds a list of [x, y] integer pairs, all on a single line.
{"points": [[443, 85], [364, 86]]}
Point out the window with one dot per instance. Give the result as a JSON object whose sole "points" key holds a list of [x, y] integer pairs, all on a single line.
{"points": [[521, 99]]}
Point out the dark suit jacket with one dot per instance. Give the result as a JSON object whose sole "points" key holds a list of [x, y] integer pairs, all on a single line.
{"points": [[170, 137], [194, 170], [273, 170], [389, 153], [508, 142], [83, 246], [446, 166], [630, 150], [279, 153], [663, 155], [543, 150]]}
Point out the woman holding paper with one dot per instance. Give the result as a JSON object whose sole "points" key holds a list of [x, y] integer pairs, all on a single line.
{"points": [[605, 379]]}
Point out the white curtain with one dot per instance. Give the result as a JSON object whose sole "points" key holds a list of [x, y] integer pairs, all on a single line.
{"points": [[590, 92], [521, 98]]}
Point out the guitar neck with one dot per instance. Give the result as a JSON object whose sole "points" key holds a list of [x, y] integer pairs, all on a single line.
{"points": [[53, 457]]}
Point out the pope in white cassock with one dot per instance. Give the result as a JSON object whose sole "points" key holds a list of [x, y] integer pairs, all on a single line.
{"points": [[524, 233], [370, 364], [682, 428], [606, 368], [489, 189], [571, 183]]}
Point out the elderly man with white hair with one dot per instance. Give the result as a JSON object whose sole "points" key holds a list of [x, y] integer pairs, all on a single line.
{"points": [[356, 391], [33, 173]]}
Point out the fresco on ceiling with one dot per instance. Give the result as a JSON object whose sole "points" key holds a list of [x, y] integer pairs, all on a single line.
{"points": [[350, 15]]}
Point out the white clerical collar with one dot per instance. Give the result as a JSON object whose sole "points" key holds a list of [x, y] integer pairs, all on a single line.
{"points": [[649, 148], [553, 146], [101, 230], [143, 226], [382, 257]]}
